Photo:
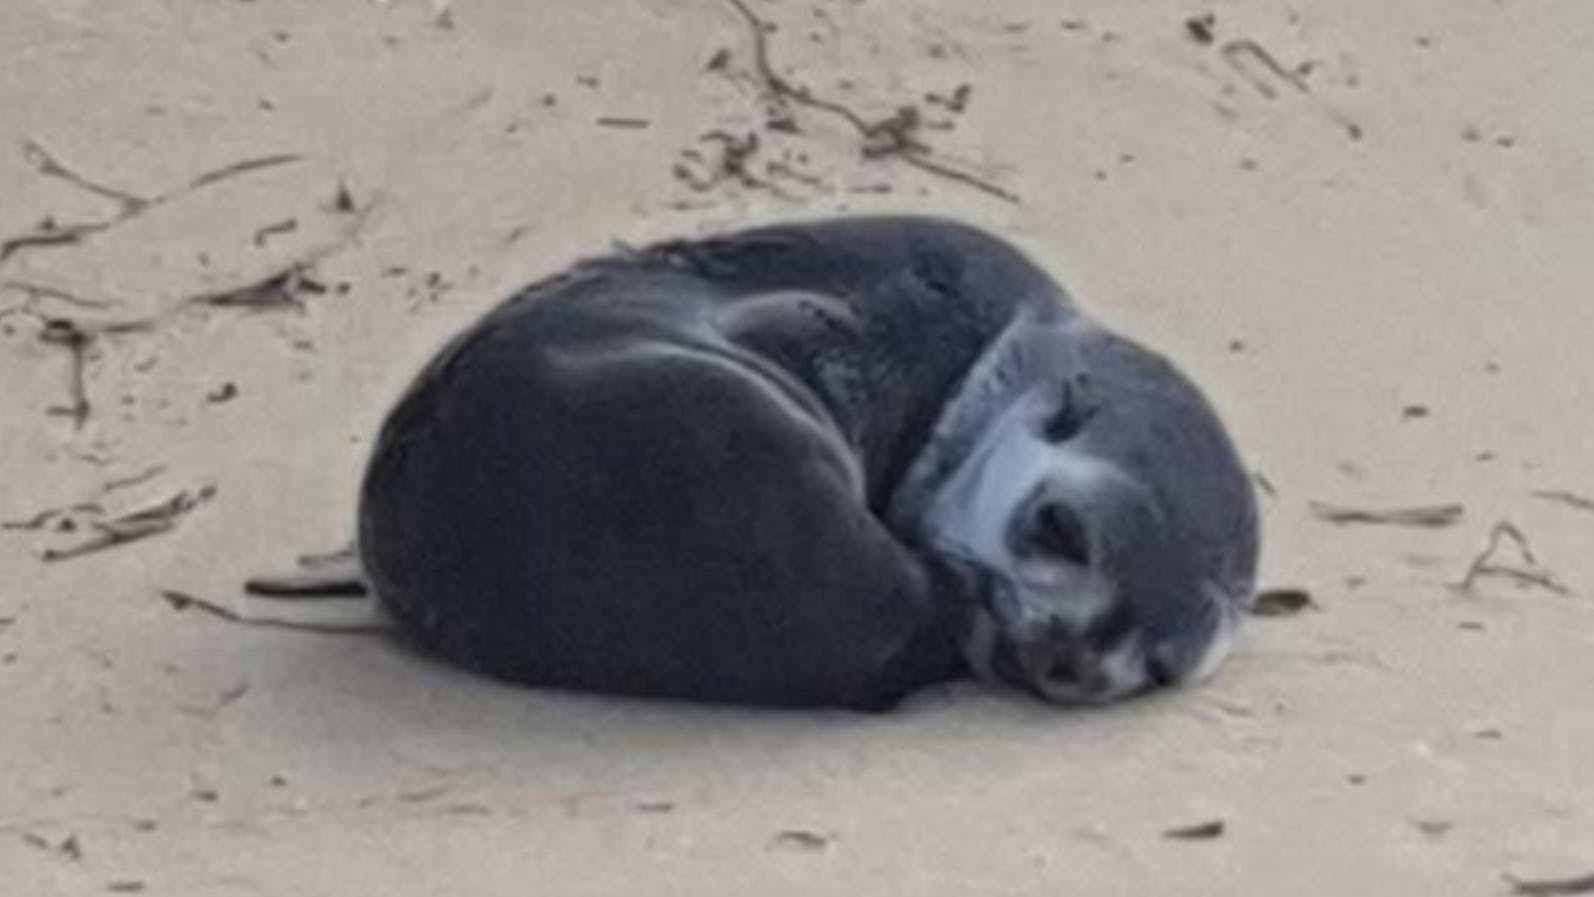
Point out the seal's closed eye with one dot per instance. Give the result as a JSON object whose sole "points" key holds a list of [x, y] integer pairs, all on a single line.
{"points": [[1068, 419]]}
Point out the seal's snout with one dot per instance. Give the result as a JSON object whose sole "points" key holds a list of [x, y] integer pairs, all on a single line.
{"points": [[1067, 667]]}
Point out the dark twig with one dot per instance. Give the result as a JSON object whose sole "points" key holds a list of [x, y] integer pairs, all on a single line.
{"points": [[1281, 602], [279, 289], [107, 537], [1201, 831], [276, 228], [136, 479], [1264, 484], [1235, 51], [181, 601], [1552, 887], [920, 161], [1244, 48], [49, 166], [134, 526], [36, 291], [282, 287], [237, 168], [131, 205], [1570, 499], [44, 518], [892, 136], [67, 334], [1423, 516], [331, 575], [308, 588], [1484, 564], [54, 236]]}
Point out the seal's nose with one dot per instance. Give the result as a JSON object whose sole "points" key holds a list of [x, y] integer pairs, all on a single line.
{"points": [[1160, 671], [1071, 665]]}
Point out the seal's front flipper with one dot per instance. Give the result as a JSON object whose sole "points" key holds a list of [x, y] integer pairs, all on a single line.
{"points": [[317, 576]]}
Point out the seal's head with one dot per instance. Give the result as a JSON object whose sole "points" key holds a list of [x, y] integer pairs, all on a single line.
{"points": [[1102, 515]]}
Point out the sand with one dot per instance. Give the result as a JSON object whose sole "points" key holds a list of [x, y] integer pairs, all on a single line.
{"points": [[1374, 254]]}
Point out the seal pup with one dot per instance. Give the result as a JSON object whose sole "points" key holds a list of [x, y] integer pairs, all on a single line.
{"points": [[809, 464]]}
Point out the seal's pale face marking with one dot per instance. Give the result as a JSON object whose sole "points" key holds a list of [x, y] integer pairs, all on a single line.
{"points": [[1095, 579]]}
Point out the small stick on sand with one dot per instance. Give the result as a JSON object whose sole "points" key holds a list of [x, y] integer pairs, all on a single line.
{"points": [[279, 289], [1571, 499], [67, 334], [149, 473], [330, 575], [44, 518], [276, 228], [1280, 602], [130, 205], [1237, 51], [1201, 831], [1484, 563], [1552, 887], [134, 526], [237, 168], [1429, 516], [181, 601], [37, 291], [1264, 484], [48, 165], [52, 236], [282, 287], [891, 136]]}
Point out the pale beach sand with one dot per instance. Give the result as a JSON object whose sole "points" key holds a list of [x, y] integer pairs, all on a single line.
{"points": [[1377, 256]]}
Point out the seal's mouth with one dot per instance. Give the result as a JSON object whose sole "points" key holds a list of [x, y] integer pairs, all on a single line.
{"points": [[1060, 653]]}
